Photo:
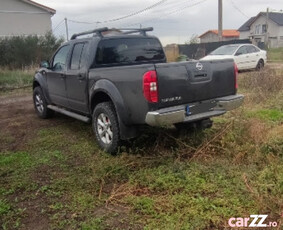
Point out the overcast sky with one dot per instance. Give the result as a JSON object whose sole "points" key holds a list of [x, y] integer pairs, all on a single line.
{"points": [[174, 21]]}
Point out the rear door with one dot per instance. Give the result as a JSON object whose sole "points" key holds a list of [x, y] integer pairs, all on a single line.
{"points": [[76, 78], [56, 77], [187, 82]]}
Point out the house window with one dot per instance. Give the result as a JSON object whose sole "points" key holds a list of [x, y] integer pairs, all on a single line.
{"points": [[257, 29], [264, 29]]}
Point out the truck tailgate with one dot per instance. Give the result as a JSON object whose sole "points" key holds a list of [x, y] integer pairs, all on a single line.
{"points": [[187, 82]]}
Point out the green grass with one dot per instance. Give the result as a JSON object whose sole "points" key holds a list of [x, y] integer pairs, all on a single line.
{"points": [[161, 180], [275, 55], [267, 115], [17, 78]]}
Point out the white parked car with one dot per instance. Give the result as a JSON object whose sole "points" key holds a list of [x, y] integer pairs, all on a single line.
{"points": [[246, 56]]}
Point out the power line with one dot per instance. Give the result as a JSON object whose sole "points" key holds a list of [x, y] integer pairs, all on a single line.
{"points": [[58, 25], [123, 17], [137, 12], [170, 6], [81, 22], [238, 9], [170, 13]]}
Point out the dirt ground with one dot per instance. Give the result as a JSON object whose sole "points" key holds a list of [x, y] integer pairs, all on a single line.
{"points": [[19, 124], [18, 120]]}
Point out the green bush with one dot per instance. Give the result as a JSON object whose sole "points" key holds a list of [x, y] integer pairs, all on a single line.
{"points": [[22, 51]]}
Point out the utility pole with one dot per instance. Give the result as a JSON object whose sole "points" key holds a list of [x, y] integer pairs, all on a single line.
{"points": [[267, 31], [220, 19], [67, 29]]}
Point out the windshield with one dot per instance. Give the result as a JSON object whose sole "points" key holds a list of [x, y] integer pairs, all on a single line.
{"points": [[225, 50]]}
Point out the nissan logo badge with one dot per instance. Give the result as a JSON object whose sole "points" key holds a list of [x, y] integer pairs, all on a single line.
{"points": [[199, 66]]}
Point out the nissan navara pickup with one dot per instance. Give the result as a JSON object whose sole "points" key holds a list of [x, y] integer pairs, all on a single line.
{"points": [[119, 80]]}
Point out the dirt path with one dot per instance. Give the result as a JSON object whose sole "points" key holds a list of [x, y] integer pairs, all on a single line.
{"points": [[18, 126], [18, 121], [5, 100], [275, 65]]}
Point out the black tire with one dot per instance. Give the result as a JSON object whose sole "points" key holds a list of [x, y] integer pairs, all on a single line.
{"points": [[107, 136], [40, 104], [260, 65]]}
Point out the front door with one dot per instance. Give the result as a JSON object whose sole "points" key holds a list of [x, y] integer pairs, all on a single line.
{"points": [[254, 56], [56, 77], [76, 79], [242, 58]]}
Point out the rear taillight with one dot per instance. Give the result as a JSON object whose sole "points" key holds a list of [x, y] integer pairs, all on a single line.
{"points": [[236, 72], [150, 87]]}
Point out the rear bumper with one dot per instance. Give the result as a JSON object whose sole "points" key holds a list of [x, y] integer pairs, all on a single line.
{"points": [[177, 114]]}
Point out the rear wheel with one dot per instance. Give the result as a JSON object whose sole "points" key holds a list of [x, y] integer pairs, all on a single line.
{"points": [[106, 127], [40, 104], [260, 65]]}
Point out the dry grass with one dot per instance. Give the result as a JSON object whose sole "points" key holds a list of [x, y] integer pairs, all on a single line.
{"points": [[259, 86], [161, 180]]}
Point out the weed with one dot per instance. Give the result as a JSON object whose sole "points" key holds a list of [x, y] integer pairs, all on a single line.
{"points": [[162, 180]]}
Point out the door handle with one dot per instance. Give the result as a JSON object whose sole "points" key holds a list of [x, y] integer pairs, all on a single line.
{"points": [[62, 75], [81, 77]]}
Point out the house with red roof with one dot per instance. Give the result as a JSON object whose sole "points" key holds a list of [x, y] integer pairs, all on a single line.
{"points": [[212, 36], [24, 17]]}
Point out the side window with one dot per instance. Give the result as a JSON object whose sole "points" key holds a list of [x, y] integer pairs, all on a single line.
{"points": [[77, 56], [264, 29], [60, 59], [242, 50], [251, 49]]}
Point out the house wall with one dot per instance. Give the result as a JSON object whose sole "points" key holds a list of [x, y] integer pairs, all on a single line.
{"points": [[275, 32], [209, 37], [29, 20], [244, 34], [280, 39], [273, 28], [171, 52], [212, 37]]}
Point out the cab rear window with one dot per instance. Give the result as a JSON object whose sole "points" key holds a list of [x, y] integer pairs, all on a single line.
{"points": [[129, 51]]}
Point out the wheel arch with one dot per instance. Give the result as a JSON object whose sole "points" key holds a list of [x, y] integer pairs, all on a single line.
{"points": [[103, 91], [40, 81], [99, 97], [35, 84], [261, 59]]}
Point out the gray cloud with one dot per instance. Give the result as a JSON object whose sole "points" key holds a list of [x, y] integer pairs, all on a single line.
{"points": [[169, 26]]}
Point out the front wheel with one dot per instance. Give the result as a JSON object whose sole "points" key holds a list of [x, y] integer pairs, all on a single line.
{"points": [[40, 104], [106, 127]]}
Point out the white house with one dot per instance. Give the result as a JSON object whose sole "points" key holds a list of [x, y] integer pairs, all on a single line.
{"points": [[24, 17], [256, 29]]}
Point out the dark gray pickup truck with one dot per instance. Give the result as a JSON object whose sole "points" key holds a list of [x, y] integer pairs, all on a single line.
{"points": [[119, 80]]}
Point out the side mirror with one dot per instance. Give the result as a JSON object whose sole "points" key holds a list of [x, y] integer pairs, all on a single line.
{"points": [[238, 53], [44, 64]]}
